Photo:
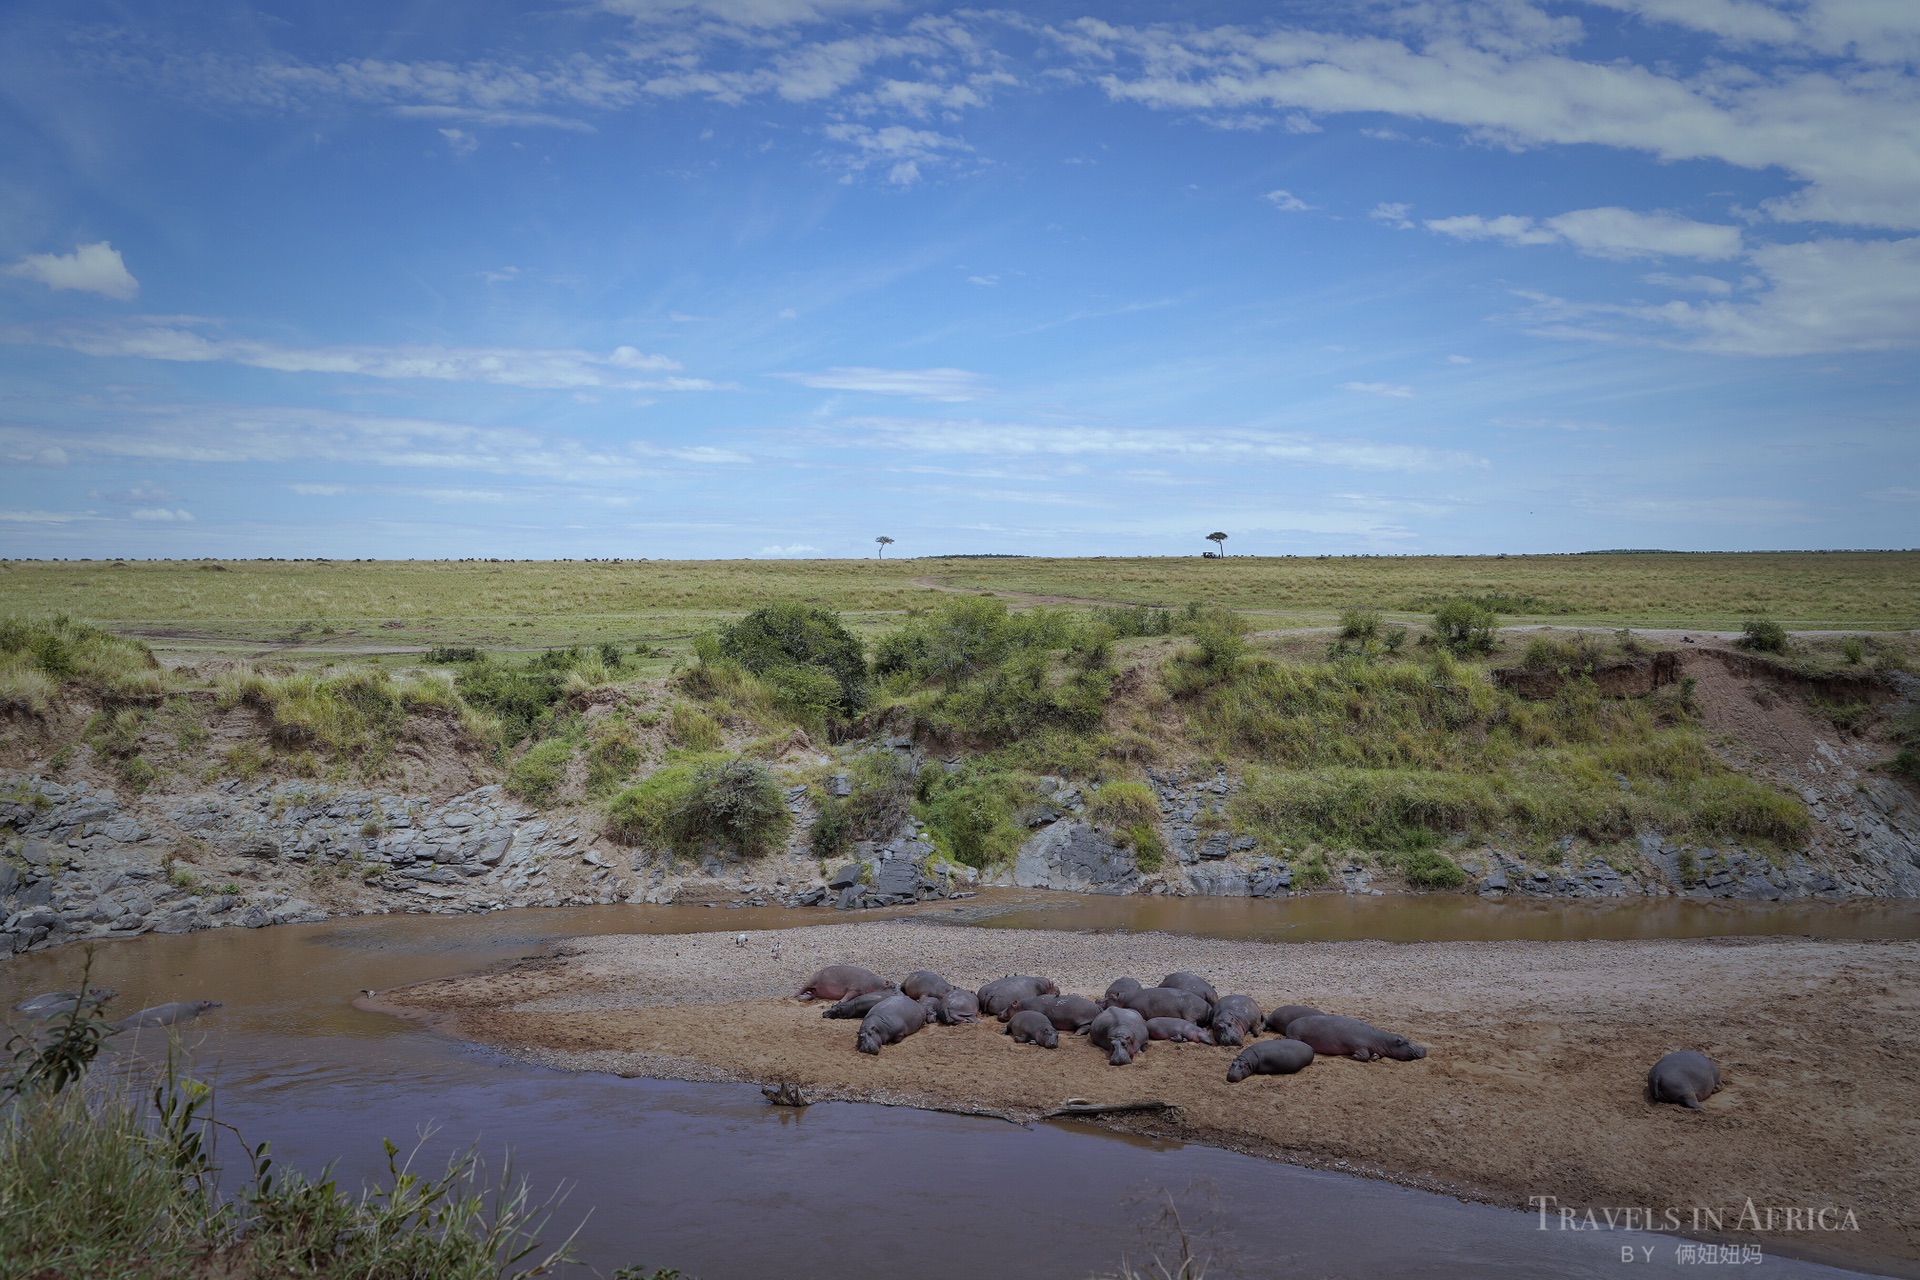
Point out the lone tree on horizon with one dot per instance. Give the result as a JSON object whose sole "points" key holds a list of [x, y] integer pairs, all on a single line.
{"points": [[885, 542], [1219, 540]]}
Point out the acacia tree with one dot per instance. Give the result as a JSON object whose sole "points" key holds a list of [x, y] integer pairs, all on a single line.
{"points": [[1219, 540], [886, 542]]}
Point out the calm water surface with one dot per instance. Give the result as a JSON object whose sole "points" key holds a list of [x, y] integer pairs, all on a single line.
{"points": [[710, 1179]]}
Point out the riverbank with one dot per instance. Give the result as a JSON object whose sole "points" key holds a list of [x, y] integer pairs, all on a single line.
{"points": [[1533, 1085]]}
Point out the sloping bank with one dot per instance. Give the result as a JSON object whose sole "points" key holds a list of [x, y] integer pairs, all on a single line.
{"points": [[1530, 1088]]}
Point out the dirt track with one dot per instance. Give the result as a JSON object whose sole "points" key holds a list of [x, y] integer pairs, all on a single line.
{"points": [[1533, 1085]]}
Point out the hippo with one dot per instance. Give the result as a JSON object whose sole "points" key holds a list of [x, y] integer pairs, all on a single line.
{"points": [[1277, 1020], [1178, 1030], [50, 1004], [838, 981], [924, 982], [889, 1022], [1270, 1058], [1119, 989], [1122, 1031], [858, 1006], [1236, 1020], [1349, 1037], [1685, 1077], [1029, 1026], [959, 1005], [999, 995], [1168, 1002], [1069, 1013], [167, 1015], [1184, 981]]}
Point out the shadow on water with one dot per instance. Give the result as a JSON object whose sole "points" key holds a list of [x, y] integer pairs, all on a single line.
{"points": [[710, 1179]]}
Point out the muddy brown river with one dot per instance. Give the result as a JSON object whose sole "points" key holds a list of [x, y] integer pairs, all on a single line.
{"points": [[711, 1180]]}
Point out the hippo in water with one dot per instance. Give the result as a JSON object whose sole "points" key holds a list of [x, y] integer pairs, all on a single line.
{"points": [[1270, 1058], [924, 982], [1167, 1002], [1277, 1020], [1002, 993], [1184, 981], [1236, 1020], [889, 1022], [167, 1015], [1120, 1031], [959, 1005], [1339, 1037], [1178, 1031], [49, 1004], [1119, 989], [1030, 1026], [838, 981], [1685, 1077], [858, 1006]]}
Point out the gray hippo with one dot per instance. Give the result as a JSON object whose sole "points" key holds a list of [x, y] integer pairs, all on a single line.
{"points": [[1119, 989], [924, 982], [1120, 1031], [49, 1004], [1277, 1020], [1168, 1002], [1236, 1020], [838, 981], [1184, 981], [1002, 993], [889, 1022], [1178, 1031], [1339, 1037], [1685, 1077], [959, 1005], [1031, 1027], [858, 1006], [167, 1015], [1270, 1058]]}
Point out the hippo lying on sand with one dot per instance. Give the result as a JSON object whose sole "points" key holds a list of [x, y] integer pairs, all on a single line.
{"points": [[1178, 1031], [1031, 1027], [1120, 1031], [1002, 994], [838, 981], [889, 1022], [1167, 1002], [858, 1006], [1184, 981], [1277, 1020], [1236, 1020], [1686, 1077], [1066, 1013], [957, 1006], [925, 982], [1270, 1058], [1339, 1037]]}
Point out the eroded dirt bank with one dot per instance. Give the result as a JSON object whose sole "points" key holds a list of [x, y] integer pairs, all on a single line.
{"points": [[1533, 1085]]}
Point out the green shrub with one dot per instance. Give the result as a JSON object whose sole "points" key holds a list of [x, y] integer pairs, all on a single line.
{"points": [[1431, 869], [1125, 804], [1464, 626], [728, 804], [1763, 635], [1854, 650], [38, 654], [1149, 854], [1905, 764], [1139, 620], [521, 698], [536, 775], [971, 813], [1359, 626], [690, 727], [612, 756], [1313, 870], [1732, 804], [1366, 808], [797, 647], [450, 655], [1688, 867], [832, 829]]}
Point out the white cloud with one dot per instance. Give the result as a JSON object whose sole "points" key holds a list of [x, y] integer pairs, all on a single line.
{"points": [[950, 385], [462, 144], [984, 280], [1898, 493], [1688, 284], [163, 515], [318, 490], [1820, 296], [1459, 359], [90, 268], [530, 367], [796, 549], [1380, 389], [901, 149], [1609, 232], [44, 517], [1282, 199], [1869, 30], [1393, 214]]}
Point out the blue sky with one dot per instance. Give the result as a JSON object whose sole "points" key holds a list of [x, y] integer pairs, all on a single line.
{"points": [[773, 277]]}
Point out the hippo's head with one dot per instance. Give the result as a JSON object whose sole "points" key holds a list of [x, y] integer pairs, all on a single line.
{"points": [[1238, 1071], [1204, 1036], [201, 1006], [1231, 1033], [1122, 1053], [1401, 1049], [868, 1041]]}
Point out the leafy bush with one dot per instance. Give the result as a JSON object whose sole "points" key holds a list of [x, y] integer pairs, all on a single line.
{"points": [[797, 648], [1854, 650], [1763, 635], [1464, 626], [692, 728], [1140, 620], [729, 804], [612, 755], [1149, 854], [1431, 869], [1358, 625], [1125, 804], [38, 654], [971, 813], [1577, 654], [448, 655], [536, 775], [1219, 642], [832, 829]]}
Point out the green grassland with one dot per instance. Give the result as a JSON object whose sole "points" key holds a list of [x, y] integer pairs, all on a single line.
{"points": [[521, 604]]}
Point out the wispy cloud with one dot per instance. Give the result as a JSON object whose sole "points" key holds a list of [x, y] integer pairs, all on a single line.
{"points": [[163, 515], [530, 367], [793, 549], [44, 517], [1609, 232], [90, 268], [1388, 389], [950, 385], [1284, 200]]}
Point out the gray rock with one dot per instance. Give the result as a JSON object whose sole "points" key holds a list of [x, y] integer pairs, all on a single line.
{"points": [[1073, 855], [847, 876], [36, 853], [839, 784], [1216, 846], [9, 880], [897, 877], [1219, 882], [126, 831], [1495, 883]]}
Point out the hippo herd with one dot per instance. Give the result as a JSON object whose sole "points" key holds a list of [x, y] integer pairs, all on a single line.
{"points": [[54, 1004], [1184, 1008]]}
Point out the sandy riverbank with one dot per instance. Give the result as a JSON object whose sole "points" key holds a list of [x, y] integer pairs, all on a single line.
{"points": [[1533, 1086]]}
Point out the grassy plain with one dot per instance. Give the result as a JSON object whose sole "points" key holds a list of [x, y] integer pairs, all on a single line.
{"points": [[532, 604]]}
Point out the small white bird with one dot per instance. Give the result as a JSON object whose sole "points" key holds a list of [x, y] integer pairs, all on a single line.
{"points": [[776, 950], [739, 939]]}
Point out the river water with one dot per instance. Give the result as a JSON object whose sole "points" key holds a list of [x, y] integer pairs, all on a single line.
{"points": [[710, 1179]]}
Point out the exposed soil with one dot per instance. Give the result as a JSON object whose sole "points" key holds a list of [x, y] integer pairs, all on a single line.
{"points": [[1533, 1086]]}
